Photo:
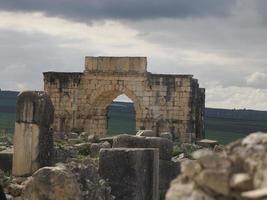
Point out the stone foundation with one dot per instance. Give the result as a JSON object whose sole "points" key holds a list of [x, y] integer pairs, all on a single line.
{"points": [[133, 174]]}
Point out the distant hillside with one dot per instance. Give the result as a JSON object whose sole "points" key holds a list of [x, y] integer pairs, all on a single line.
{"points": [[236, 114], [7, 110], [221, 124], [8, 101]]}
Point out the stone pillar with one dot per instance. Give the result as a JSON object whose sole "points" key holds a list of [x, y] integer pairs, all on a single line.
{"points": [[133, 174], [33, 139]]}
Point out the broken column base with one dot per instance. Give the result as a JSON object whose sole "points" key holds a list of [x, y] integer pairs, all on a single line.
{"points": [[133, 173]]}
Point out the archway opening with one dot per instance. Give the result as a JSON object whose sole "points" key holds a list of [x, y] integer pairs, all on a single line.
{"points": [[121, 116]]}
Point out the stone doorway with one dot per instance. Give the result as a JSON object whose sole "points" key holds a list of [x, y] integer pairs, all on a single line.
{"points": [[121, 116], [97, 122]]}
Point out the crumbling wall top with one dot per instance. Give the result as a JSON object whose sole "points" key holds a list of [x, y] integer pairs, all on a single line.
{"points": [[118, 65]]}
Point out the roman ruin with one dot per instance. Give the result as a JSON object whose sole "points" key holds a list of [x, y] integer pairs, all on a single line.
{"points": [[33, 139], [163, 102]]}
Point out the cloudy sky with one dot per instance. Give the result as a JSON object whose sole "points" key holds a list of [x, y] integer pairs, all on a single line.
{"points": [[222, 42]]}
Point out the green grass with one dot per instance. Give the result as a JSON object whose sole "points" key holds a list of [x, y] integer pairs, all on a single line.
{"points": [[223, 137], [121, 122], [228, 130]]}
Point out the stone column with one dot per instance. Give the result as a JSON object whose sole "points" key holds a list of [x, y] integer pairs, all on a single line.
{"points": [[33, 139], [132, 173]]}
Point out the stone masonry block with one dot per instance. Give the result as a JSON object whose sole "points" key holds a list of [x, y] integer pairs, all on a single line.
{"points": [[133, 174]]}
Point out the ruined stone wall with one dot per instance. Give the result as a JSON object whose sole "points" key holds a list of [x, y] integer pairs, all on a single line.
{"points": [[172, 103]]}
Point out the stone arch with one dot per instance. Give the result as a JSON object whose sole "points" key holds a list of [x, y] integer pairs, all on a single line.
{"points": [[97, 104]]}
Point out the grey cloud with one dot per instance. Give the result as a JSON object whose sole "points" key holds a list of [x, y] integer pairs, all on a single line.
{"points": [[24, 56], [88, 10]]}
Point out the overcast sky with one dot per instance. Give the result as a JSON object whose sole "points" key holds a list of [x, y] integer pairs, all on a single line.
{"points": [[223, 43]]}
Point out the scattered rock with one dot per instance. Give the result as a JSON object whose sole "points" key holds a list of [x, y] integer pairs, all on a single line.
{"points": [[15, 189], [184, 189], [105, 145], [241, 181], [62, 153], [202, 153], [59, 136], [8, 197], [207, 143], [94, 149], [255, 194], [166, 135], [83, 148], [165, 146], [91, 185], [146, 133], [238, 172], [190, 168], [73, 135], [84, 135], [93, 138], [215, 180], [50, 183], [108, 139], [74, 141], [129, 141]]}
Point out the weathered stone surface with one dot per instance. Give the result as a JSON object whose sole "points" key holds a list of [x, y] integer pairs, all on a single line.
{"points": [[83, 148], [105, 145], [107, 139], [73, 135], [207, 143], [129, 141], [94, 149], [215, 162], [59, 136], [183, 189], [34, 108], [132, 173], [83, 135], [191, 168], [91, 185], [216, 180], [6, 158], [241, 181], [238, 172], [255, 194], [163, 103], [168, 171], [93, 138], [33, 139], [74, 141], [50, 183], [166, 135], [146, 133], [202, 153], [63, 153], [15, 189], [165, 146]]}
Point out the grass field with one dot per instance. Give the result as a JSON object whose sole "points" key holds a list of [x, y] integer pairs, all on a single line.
{"points": [[120, 121]]}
